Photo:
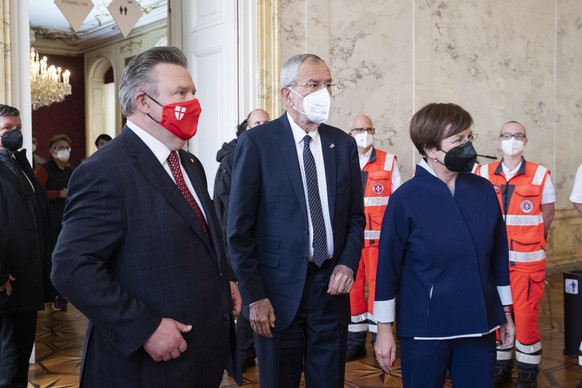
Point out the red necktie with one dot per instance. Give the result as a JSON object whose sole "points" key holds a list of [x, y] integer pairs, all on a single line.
{"points": [[181, 183]]}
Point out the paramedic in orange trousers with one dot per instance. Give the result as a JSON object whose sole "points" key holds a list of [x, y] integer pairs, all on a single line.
{"points": [[526, 196], [380, 177]]}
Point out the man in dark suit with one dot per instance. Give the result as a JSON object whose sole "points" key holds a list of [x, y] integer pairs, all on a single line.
{"points": [[295, 232], [25, 245], [140, 252]]}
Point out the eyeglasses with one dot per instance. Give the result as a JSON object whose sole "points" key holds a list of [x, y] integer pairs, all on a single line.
{"points": [[371, 131], [62, 148], [460, 141], [312, 85], [507, 136]]}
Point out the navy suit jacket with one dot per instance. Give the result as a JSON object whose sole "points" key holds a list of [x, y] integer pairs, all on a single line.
{"points": [[443, 256], [268, 227], [132, 251]]}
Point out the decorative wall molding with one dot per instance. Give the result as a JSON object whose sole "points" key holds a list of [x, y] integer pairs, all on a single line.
{"points": [[269, 56], [5, 65]]}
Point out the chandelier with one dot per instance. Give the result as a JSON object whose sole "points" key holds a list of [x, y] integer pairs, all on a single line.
{"points": [[48, 84]]}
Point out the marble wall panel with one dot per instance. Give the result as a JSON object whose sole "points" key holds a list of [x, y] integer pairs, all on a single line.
{"points": [[496, 61], [501, 60], [568, 96], [517, 60]]}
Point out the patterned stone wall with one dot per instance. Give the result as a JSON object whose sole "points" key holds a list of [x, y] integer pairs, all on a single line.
{"points": [[501, 60]]}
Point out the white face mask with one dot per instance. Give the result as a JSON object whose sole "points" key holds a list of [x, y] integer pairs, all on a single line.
{"points": [[364, 140], [512, 147], [315, 105], [63, 155]]}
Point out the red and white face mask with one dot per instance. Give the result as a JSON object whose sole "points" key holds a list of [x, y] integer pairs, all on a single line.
{"points": [[180, 118]]}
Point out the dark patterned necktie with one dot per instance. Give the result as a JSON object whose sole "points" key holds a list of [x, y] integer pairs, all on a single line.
{"points": [[181, 183], [319, 234]]}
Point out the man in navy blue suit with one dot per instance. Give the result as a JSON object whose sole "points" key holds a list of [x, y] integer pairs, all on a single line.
{"points": [[295, 232], [141, 251]]}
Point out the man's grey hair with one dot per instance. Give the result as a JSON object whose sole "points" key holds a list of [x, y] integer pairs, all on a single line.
{"points": [[7, 110], [138, 75], [290, 69]]}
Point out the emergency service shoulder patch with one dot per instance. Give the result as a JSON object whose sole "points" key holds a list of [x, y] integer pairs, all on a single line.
{"points": [[526, 206], [378, 188]]}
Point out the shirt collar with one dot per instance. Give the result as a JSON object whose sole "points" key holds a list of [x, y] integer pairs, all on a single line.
{"points": [[299, 133], [425, 165], [159, 149]]}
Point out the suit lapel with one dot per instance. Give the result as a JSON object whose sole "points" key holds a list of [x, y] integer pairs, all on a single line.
{"points": [[288, 151], [329, 154], [150, 168]]}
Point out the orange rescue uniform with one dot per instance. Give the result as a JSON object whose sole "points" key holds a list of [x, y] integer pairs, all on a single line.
{"points": [[377, 177], [520, 200]]}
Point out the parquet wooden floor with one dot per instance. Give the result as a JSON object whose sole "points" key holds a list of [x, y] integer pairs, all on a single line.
{"points": [[60, 340]]}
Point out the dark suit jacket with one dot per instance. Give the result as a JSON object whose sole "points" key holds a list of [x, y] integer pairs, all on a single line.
{"points": [[24, 239], [132, 251], [268, 228]]}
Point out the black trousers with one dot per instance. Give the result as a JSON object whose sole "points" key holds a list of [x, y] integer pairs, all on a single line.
{"points": [[17, 333]]}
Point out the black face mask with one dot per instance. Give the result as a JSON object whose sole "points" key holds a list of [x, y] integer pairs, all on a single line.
{"points": [[12, 140], [462, 158]]}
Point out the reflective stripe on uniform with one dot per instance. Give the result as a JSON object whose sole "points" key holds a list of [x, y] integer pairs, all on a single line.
{"points": [[527, 257], [529, 354], [504, 354], [389, 162], [360, 317], [529, 349], [373, 328], [376, 201], [528, 358], [539, 175], [371, 234], [511, 220], [357, 327]]}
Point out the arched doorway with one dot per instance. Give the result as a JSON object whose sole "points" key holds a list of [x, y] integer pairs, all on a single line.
{"points": [[101, 109]]}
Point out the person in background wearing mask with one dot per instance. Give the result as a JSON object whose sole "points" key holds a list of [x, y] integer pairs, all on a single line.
{"points": [[576, 198], [445, 259], [102, 140], [37, 160], [526, 196], [222, 182], [295, 232], [380, 177], [54, 176], [141, 253], [24, 252]]}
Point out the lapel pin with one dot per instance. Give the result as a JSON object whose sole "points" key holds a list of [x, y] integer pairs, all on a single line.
{"points": [[331, 145], [191, 161]]}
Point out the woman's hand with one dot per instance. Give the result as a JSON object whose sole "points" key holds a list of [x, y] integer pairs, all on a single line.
{"points": [[507, 332], [385, 347]]}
